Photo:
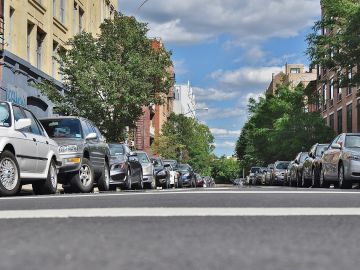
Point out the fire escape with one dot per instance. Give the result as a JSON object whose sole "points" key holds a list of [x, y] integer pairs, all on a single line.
{"points": [[1, 27]]}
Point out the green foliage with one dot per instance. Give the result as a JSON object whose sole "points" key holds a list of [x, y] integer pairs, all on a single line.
{"points": [[187, 141], [335, 41], [224, 170], [279, 128], [109, 78]]}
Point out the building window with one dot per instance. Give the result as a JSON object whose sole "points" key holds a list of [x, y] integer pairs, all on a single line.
{"points": [[331, 92], [81, 20], [338, 91], [40, 36], [294, 70], [54, 57], [349, 118], [62, 11], [349, 88], [332, 121], [11, 23], [75, 15], [54, 8], [324, 96], [30, 28], [339, 121]]}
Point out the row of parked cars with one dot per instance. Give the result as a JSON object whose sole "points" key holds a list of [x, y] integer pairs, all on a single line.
{"points": [[336, 163], [72, 151]]}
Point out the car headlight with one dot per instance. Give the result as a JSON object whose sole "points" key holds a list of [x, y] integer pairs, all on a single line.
{"points": [[278, 173], [354, 157], [68, 149], [186, 175]]}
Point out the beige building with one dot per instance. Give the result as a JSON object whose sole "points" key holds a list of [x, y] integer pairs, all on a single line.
{"points": [[293, 75], [34, 30]]}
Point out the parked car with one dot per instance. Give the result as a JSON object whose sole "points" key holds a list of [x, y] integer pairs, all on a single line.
{"points": [[174, 175], [172, 162], [299, 161], [311, 171], [27, 154], [291, 174], [162, 174], [84, 151], [187, 176], [260, 176], [147, 169], [278, 174], [252, 175], [340, 163], [287, 174], [268, 174], [125, 168], [199, 180]]}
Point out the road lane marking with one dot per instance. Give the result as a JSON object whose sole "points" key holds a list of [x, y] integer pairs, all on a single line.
{"points": [[309, 192], [177, 212]]}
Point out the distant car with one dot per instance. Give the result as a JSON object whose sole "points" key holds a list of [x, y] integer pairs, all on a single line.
{"points": [[125, 168], [84, 151], [268, 174], [27, 154], [290, 174], [278, 174], [287, 174], [172, 162], [148, 170], [296, 168], [299, 161], [199, 180], [187, 176], [260, 176], [252, 174], [311, 170], [174, 174], [340, 163], [162, 174]]}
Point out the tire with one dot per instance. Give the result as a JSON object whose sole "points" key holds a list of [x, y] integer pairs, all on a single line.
{"points": [[343, 184], [315, 179], [153, 184], [9, 174], [128, 181], [83, 181], [140, 184], [323, 182], [304, 182], [104, 180], [49, 186]]}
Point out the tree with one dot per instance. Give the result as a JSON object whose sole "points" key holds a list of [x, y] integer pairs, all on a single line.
{"points": [[186, 140], [109, 78], [279, 128], [224, 170], [335, 41]]}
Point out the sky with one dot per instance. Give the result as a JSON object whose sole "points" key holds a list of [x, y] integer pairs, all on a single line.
{"points": [[228, 50]]}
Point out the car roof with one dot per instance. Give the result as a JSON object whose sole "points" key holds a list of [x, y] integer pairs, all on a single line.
{"points": [[63, 117]]}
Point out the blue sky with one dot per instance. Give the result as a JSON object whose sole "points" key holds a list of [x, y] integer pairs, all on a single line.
{"points": [[228, 50]]}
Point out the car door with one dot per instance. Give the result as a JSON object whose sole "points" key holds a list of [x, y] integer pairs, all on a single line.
{"points": [[336, 156], [25, 146], [327, 160], [41, 140], [92, 145]]}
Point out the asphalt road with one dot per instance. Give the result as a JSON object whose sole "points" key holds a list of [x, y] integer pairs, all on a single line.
{"points": [[228, 228]]}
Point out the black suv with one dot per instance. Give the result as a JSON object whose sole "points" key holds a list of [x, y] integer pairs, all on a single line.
{"points": [[84, 151]]}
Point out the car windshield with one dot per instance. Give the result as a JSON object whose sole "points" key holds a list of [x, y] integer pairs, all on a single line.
{"points": [[143, 158], [116, 149], [183, 168], [255, 170], [157, 162], [320, 150], [63, 128], [5, 118], [303, 156], [352, 141], [282, 165], [173, 163]]}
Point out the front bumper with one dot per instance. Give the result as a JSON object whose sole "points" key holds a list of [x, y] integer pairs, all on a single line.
{"points": [[352, 173], [149, 178], [71, 163]]}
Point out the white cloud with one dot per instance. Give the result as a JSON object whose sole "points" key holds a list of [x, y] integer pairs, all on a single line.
{"points": [[221, 113], [180, 68], [189, 21], [226, 144], [220, 132], [212, 94]]}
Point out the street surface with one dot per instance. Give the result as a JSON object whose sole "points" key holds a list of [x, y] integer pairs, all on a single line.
{"points": [[222, 228]]}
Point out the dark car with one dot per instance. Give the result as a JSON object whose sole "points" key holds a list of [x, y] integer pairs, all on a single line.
{"points": [[299, 166], [187, 176], [162, 174], [125, 168], [252, 175], [311, 171], [199, 180], [84, 151], [268, 174]]}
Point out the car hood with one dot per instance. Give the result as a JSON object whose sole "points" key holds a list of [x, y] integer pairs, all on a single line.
{"points": [[147, 168], [67, 141]]}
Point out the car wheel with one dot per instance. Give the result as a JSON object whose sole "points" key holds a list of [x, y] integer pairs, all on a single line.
{"points": [[128, 180], [49, 186], [303, 180], [104, 179], [153, 183], [140, 184], [314, 179], [323, 182], [343, 184], [83, 181], [9, 174]]}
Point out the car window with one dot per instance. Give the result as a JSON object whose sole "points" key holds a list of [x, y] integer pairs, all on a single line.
{"points": [[303, 157], [19, 114], [255, 170], [320, 150], [5, 116], [352, 141], [116, 149], [143, 158], [63, 128], [282, 165], [157, 162], [35, 129], [335, 140]]}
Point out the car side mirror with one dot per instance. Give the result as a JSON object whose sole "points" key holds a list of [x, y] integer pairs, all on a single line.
{"points": [[336, 146], [22, 123], [91, 136]]}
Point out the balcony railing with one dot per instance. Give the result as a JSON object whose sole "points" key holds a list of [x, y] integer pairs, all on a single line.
{"points": [[2, 40]]}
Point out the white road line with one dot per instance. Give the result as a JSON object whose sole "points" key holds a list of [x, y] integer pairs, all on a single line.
{"points": [[177, 212], [308, 192]]}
